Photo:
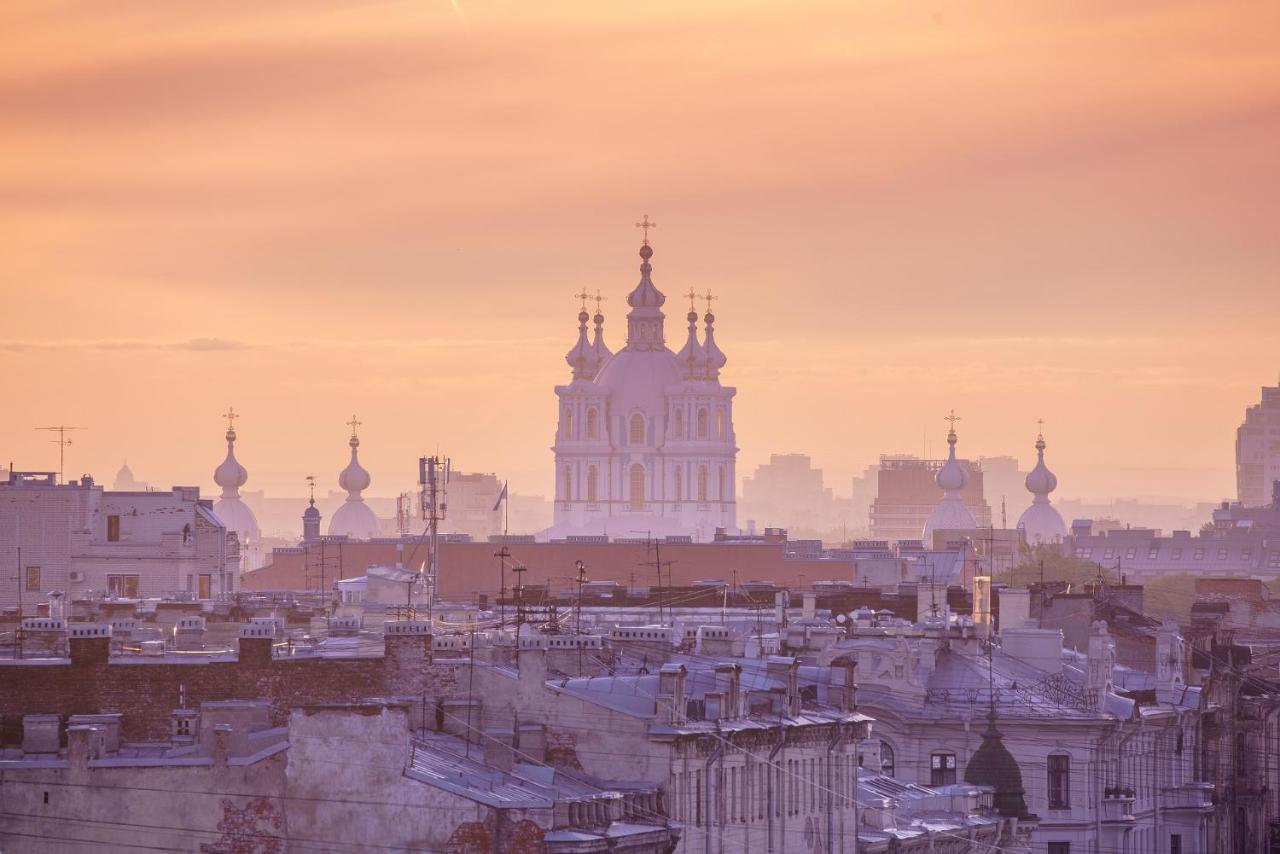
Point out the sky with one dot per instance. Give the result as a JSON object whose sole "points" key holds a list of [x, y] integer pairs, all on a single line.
{"points": [[307, 209]]}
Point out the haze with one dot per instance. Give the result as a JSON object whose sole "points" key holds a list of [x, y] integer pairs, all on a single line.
{"points": [[306, 209]]}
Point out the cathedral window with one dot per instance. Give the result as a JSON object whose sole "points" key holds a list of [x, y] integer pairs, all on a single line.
{"points": [[720, 484], [593, 426], [637, 429], [568, 484], [702, 484], [679, 484], [568, 422], [679, 426], [591, 482], [637, 487], [720, 424], [702, 423]]}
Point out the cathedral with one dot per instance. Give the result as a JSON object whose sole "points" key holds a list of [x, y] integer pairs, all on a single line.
{"points": [[645, 442]]}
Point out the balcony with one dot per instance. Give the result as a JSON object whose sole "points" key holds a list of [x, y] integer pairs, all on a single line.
{"points": [[1117, 805], [1197, 797]]}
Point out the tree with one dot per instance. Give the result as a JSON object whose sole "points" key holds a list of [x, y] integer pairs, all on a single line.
{"points": [[1057, 566]]}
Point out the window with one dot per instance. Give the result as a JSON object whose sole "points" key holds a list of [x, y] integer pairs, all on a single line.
{"points": [[1131, 553], [942, 769], [1222, 554], [720, 484], [886, 759], [593, 424], [679, 425], [637, 487], [1198, 554], [1108, 554], [1059, 782], [702, 423], [679, 484], [1175, 843], [1247, 554], [125, 586], [113, 529], [33, 578], [591, 483], [1274, 560], [1153, 553], [1176, 554], [637, 429], [720, 424], [206, 586], [1059, 848], [568, 484], [702, 484]]}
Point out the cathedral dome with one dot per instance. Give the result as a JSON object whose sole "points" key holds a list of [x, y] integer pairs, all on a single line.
{"points": [[230, 475], [354, 518], [993, 765], [639, 379], [951, 514], [692, 358], [952, 477], [1041, 522], [354, 478], [1041, 481]]}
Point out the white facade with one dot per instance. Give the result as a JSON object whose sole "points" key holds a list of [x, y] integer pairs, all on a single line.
{"points": [[645, 442], [78, 539]]}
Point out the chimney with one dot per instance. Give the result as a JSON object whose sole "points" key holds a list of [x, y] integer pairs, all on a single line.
{"points": [[1170, 660], [1015, 607], [728, 683], [1101, 661], [672, 704], [786, 670], [531, 662], [407, 655], [846, 695], [90, 643], [84, 742], [256, 640]]}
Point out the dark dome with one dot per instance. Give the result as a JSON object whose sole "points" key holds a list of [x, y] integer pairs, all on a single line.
{"points": [[993, 765]]}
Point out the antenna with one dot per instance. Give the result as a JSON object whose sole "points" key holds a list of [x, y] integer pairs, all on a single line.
{"points": [[433, 476], [62, 442]]}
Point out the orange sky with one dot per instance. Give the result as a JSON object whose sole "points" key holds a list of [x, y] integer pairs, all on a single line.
{"points": [[303, 208]]}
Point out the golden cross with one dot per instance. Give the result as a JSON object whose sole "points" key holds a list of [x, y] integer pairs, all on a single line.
{"points": [[584, 296], [231, 415], [708, 297], [599, 299], [311, 481], [1040, 423], [353, 424], [692, 295], [953, 418], [646, 225]]}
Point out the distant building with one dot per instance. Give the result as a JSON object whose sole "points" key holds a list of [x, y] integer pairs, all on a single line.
{"points": [[1258, 450], [1041, 522], [354, 518], [473, 505], [126, 482], [78, 539], [1003, 484], [907, 493], [230, 508], [788, 492]]}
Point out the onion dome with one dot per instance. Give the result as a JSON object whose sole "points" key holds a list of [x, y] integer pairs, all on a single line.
{"points": [[230, 475], [715, 358], [600, 349], [582, 358], [1041, 522], [354, 479], [644, 321], [354, 518], [692, 358], [993, 765], [951, 514], [645, 294]]}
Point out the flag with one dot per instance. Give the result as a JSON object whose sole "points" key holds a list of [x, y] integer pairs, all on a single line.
{"points": [[502, 496]]}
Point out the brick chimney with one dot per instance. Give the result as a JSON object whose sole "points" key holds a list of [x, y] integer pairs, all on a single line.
{"points": [[256, 641], [407, 651], [672, 705], [90, 643]]}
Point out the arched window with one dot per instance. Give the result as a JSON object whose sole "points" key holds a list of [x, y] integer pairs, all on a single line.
{"points": [[637, 487], [679, 484], [720, 424], [568, 422], [720, 484], [1059, 781], [679, 425], [593, 427], [568, 484], [702, 423], [637, 429], [887, 765], [591, 482], [702, 484]]}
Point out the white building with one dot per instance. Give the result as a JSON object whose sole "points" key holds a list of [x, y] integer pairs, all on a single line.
{"points": [[78, 539], [645, 443], [231, 509], [951, 514], [1258, 450]]}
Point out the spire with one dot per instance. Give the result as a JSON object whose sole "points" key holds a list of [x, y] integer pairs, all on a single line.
{"points": [[230, 475], [993, 765], [1041, 481], [1041, 522], [311, 516], [951, 514], [692, 357], [582, 358], [644, 321], [599, 348], [715, 358]]}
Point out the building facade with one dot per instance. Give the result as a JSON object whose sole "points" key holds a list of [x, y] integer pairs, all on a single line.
{"points": [[1258, 450], [645, 443], [907, 493]]}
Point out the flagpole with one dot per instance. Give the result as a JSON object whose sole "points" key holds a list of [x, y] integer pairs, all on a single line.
{"points": [[506, 509]]}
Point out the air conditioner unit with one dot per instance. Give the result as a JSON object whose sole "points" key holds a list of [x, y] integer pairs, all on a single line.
{"points": [[76, 576]]}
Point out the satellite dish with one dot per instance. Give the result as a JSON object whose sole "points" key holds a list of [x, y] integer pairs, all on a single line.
{"points": [[840, 618]]}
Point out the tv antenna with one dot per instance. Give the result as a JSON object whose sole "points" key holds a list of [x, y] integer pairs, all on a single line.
{"points": [[433, 476], [62, 442]]}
